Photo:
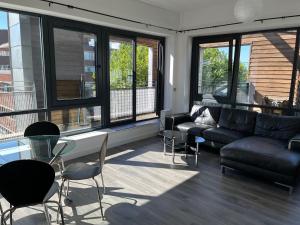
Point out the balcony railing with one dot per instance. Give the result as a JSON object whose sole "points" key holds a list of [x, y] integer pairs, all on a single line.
{"points": [[121, 107], [121, 102]]}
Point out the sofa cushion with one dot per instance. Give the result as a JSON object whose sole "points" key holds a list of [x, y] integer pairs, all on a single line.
{"points": [[239, 120], [209, 115], [195, 111], [262, 152], [277, 127], [190, 125], [222, 135]]}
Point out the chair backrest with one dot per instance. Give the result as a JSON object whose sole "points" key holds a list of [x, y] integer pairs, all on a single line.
{"points": [[25, 182], [102, 152], [42, 128]]}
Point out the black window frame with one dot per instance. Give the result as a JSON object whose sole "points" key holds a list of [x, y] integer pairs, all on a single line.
{"points": [[47, 23], [238, 37], [78, 27]]}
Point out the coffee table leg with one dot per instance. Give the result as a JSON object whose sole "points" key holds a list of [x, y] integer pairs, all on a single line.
{"points": [[185, 148], [173, 151], [165, 147], [196, 155]]}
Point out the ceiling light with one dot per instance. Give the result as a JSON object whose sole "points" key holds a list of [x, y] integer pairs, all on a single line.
{"points": [[247, 11]]}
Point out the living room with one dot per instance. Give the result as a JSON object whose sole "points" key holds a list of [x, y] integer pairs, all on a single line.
{"points": [[149, 112]]}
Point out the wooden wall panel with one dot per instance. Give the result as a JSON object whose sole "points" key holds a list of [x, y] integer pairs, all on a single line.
{"points": [[271, 64]]}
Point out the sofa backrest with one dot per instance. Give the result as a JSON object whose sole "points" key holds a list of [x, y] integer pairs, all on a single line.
{"points": [[279, 127], [208, 115], [237, 119]]}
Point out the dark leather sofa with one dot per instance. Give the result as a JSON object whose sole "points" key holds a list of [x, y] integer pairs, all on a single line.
{"points": [[259, 144]]}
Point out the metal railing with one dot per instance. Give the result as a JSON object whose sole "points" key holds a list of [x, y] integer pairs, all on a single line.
{"points": [[121, 102], [13, 99]]}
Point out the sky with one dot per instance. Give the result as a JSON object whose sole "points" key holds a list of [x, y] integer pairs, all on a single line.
{"points": [[3, 20], [244, 55]]}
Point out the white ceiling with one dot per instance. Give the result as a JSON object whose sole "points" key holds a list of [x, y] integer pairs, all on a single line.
{"points": [[185, 5]]}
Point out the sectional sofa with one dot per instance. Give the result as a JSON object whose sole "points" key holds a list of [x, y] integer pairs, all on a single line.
{"points": [[259, 144]]}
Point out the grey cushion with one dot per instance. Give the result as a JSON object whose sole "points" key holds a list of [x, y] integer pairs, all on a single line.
{"points": [[206, 118], [239, 120], [222, 135], [194, 111], [185, 126], [278, 127], [81, 171], [189, 125]]}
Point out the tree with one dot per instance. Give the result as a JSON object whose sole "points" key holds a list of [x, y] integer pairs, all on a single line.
{"points": [[215, 67], [121, 62]]}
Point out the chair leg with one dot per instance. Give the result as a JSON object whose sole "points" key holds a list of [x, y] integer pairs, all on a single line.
{"points": [[47, 214], [10, 215], [102, 179], [1, 210], [60, 211], [59, 197], [99, 197], [68, 186], [10, 210]]}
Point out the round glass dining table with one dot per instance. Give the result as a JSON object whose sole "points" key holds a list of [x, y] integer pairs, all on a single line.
{"points": [[45, 148]]}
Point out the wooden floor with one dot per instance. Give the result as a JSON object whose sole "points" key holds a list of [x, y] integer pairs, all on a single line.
{"points": [[143, 188]]}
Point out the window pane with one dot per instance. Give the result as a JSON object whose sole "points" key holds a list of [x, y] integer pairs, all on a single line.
{"points": [[266, 64], [214, 70], [75, 64], [121, 77], [21, 64], [146, 77], [14, 126], [76, 119]]}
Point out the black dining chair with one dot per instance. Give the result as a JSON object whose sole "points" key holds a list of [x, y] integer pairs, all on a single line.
{"points": [[83, 171], [27, 183], [41, 146], [43, 128]]}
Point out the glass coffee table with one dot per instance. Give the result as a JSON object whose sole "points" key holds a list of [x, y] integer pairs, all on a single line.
{"points": [[175, 140]]}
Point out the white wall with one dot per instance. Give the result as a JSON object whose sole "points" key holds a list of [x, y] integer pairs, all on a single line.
{"points": [[129, 9], [224, 13]]}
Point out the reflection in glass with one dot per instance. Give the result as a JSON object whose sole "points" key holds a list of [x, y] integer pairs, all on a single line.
{"points": [[75, 64]]}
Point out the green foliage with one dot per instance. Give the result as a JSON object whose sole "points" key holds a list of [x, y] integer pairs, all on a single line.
{"points": [[215, 67], [121, 62], [142, 63]]}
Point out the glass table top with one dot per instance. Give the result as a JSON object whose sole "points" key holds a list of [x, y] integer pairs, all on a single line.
{"points": [[178, 136], [42, 147]]}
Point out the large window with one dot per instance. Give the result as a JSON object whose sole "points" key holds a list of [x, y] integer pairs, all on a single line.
{"points": [[263, 73], [21, 72], [134, 78], [266, 69], [77, 75], [215, 70], [121, 72], [147, 74], [75, 69]]}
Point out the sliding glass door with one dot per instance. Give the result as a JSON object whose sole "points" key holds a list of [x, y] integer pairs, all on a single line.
{"points": [[122, 78], [215, 63]]}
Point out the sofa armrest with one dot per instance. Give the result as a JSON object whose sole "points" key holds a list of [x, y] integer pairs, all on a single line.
{"points": [[173, 120], [294, 143]]}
